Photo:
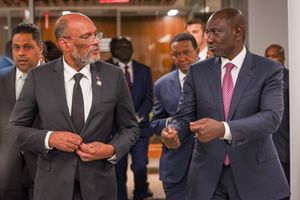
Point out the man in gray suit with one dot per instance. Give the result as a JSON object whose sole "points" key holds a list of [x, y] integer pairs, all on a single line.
{"points": [[232, 103], [79, 100], [15, 182]]}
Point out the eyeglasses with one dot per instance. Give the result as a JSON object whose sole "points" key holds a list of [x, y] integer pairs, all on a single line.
{"points": [[88, 37]]}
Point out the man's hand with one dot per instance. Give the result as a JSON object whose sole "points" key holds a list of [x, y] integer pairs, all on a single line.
{"points": [[95, 151], [64, 141], [170, 138], [207, 129]]}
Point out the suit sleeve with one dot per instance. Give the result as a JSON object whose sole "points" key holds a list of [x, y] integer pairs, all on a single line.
{"points": [[186, 111], [270, 109], [160, 115], [127, 131], [147, 104], [22, 118]]}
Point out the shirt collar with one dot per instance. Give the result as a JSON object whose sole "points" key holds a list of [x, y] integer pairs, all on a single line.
{"points": [[19, 73], [122, 65], [203, 54], [237, 61], [181, 75], [70, 72]]}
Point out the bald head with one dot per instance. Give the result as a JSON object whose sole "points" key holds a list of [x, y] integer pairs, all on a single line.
{"points": [[226, 32], [66, 23]]}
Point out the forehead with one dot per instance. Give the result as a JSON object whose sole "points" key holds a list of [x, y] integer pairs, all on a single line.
{"points": [[184, 44], [273, 51], [218, 22], [192, 27], [81, 26], [22, 38]]}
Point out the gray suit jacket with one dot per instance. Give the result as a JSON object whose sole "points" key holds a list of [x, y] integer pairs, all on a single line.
{"points": [[255, 113], [43, 95]]}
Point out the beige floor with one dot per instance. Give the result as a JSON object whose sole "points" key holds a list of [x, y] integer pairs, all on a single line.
{"points": [[153, 179]]}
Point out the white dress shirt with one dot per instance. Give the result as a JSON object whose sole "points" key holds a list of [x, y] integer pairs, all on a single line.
{"points": [[86, 87], [203, 54], [20, 79], [237, 61], [181, 77]]}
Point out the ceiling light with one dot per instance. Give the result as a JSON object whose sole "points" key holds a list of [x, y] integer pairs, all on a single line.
{"points": [[173, 12]]}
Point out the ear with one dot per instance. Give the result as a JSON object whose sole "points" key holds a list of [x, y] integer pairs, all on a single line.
{"points": [[63, 44], [238, 32]]}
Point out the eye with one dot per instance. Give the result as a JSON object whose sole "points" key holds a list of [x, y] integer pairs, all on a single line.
{"points": [[28, 47], [16, 48]]}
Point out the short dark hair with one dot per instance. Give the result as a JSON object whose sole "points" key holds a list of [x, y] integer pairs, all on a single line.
{"points": [[195, 21], [183, 37], [26, 27]]}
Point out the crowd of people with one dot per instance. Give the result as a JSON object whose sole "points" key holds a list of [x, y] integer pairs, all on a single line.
{"points": [[69, 120]]}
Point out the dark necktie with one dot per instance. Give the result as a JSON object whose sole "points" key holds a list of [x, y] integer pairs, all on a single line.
{"points": [[127, 77], [77, 112], [227, 91]]}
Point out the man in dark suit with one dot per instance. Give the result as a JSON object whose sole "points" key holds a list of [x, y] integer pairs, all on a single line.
{"points": [[167, 91], [139, 82], [281, 137], [112, 47], [77, 99], [15, 182], [233, 104]]}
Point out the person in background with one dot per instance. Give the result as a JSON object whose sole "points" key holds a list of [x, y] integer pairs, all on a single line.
{"points": [[6, 59], [196, 27], [139, 81], [17, 169], [112, 47], [232, 103], [174, 165], [77, 99], [52, 51], [281, 137]]}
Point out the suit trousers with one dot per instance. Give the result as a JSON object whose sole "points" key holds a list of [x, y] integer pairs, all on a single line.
{"points": [[226, 188], [175, 191], [139, 155]]}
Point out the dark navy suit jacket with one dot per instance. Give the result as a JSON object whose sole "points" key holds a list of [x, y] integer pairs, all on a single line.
{"points": [[255, 114], [281, 137], [174, 164], [142, 95]]}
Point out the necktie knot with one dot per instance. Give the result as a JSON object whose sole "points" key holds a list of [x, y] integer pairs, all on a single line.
{"points": [[126, 67], [78, 77], [229, 67]]}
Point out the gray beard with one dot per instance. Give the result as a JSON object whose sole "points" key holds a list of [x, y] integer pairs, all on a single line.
{"points": [[86, 59]]}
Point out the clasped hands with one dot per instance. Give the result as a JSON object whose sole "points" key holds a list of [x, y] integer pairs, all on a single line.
{"points": [[205, 130], [72, 142]]}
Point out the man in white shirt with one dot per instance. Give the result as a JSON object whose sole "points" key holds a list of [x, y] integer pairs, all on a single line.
{"points": [[26, 51], [80, 102], [174, 165], [232, 104]]}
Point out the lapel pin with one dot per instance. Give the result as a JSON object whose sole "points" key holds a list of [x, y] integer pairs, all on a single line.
{"points": [[98, 82]]}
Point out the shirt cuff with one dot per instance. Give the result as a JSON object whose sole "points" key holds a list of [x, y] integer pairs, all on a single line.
{"points": [[47, 140], [227, 135], [113, 159]]}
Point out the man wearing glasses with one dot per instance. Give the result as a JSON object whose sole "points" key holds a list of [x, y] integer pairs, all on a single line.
{"points": [[79, 101]]}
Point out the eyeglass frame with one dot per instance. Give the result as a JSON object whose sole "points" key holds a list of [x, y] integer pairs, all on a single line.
{"points": [[89, 39]]}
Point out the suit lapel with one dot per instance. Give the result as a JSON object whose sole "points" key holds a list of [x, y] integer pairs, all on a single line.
{"points": [[136, 77], [174, 84], [11, 90], [59, 85], [214, 80], [245, 75], [97, 81]]}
